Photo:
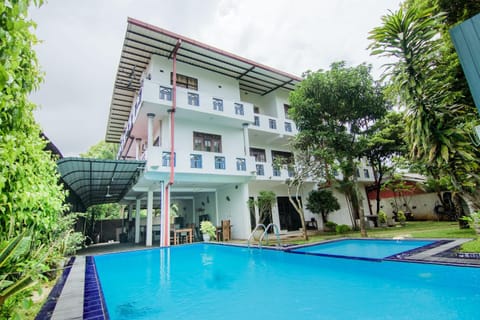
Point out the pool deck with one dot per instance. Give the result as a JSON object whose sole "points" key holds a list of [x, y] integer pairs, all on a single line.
{"points": [[70, 304]]}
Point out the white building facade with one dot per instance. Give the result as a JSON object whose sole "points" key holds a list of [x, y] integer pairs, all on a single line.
{"points": [[210, 126]]}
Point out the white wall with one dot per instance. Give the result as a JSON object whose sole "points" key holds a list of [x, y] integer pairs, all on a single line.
{"points": [[212, 83], [236, 209]]}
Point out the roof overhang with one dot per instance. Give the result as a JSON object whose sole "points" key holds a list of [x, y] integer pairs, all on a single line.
{"points": [[143, 40], [97, 181]]}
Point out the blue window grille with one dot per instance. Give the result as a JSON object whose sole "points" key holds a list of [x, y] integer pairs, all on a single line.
{"points": [[241, 164], [272, 123], [291, 172], [220, 163], [217, 104], [276, 171], [193, 99], [166, 93], [239, 109], [256, 121], [366, 173], [196, 161], [166, 159], [260, 170], [288, 127]]}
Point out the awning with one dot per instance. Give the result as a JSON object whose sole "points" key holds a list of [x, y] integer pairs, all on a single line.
{"points": [[97, 181], [142, 40]]}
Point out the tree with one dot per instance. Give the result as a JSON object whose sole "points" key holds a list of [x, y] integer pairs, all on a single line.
{"points": [[437, 121], [384, 140], [105, 151], [264, 203], [31, 198], [332, 109], [102, 150], [322, 202]]}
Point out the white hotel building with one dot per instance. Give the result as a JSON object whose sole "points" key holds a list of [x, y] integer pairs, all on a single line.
{"points": [[209, 125]]}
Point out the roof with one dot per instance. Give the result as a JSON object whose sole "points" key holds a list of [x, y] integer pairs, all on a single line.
{"points": [[97, 181], [142, 40]]}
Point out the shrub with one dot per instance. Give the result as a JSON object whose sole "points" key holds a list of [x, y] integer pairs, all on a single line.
{"points": [[330, 225], [382, 216], [401, 217], [342, 228]]}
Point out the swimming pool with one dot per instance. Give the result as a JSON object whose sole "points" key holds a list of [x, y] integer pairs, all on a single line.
{"points": [[207, 281], [363, 248]]}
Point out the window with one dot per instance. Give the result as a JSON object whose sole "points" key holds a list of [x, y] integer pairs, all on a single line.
{"points": [[220, 163], [256, 110], [366, 173], [259, 154], [217, 104], [260, 170], [288, 127], [276, 171], [286, 107], [207, 142], [193, 99], [196, 161], [185, 81], [166, 159], [291, 172], [256, 121], [166, 93], [241, 164], [239, 109], [272, 123]]}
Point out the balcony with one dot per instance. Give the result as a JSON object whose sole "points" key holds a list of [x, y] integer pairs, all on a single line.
{"points": [[274, 125], [200, 162], [266, 171]]}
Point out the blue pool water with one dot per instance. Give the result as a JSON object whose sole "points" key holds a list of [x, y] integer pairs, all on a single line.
{"points": [[206, 281], [364, 248]]}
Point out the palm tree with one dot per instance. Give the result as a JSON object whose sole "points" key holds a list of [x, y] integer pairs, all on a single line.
{"points": [[437, 126]]}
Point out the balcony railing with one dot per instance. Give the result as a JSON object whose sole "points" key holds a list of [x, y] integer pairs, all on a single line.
{"points": [[200, 162], [273, 124]]}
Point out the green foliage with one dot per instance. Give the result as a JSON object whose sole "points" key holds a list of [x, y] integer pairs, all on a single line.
{"points": [[438, 120], [342, 228], [31, 198], [330, 225], [332, 110], [102, 150], [382, 217], [265, 201], [208, 228], [322, 202], [401, 217], [473, 220]]}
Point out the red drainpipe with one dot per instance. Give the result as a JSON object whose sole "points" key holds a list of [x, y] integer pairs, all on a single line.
{"points": [[166, 228]]}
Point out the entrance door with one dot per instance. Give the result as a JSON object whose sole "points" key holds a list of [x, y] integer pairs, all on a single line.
{"points": [[289, 218]]}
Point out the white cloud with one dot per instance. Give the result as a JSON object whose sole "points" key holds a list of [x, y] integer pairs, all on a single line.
{"points": [[83, 39]]}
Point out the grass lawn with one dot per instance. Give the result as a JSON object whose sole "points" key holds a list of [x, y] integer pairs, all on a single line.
{"points": [[412, 229]]}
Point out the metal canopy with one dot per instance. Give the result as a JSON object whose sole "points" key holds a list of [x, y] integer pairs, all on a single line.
{"points": [[97, 181], [142, 40]]}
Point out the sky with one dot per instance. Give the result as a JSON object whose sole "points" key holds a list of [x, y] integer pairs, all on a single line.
{"points": [[81, 43]]}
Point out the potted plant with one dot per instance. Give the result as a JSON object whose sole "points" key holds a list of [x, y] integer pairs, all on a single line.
{"points": [[401, 217], [208, 230], [382, 218]]}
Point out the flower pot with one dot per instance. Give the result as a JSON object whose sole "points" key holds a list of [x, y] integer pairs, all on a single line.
{"points": [[206, 237]]}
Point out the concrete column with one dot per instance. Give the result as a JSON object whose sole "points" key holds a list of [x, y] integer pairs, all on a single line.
{"points": [[246, 142], [137, 221], [150, 130], [149, 228], [138, 148], [164, 218]]}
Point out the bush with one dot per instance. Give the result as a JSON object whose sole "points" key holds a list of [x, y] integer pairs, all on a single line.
{"points": [[382, 216], [401, 217], [342, 228]]}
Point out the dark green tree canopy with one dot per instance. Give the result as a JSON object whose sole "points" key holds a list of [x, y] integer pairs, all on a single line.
{"points": [[322, 202]]}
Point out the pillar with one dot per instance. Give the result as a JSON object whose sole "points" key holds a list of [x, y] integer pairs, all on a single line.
{"points": [[138, 148], [246, 143], [137, 221], [149, 227], [150, 130]]}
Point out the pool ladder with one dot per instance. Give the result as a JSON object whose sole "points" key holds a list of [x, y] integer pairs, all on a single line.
{"points": [[265, 233]]}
